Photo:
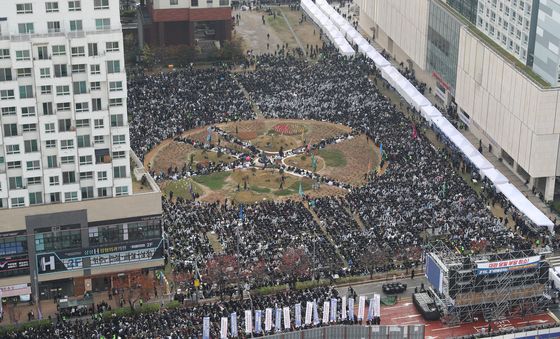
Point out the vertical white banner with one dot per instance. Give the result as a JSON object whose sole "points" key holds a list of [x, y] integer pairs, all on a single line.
{"points": [[351, 309], [223, 329], [315, 314], [370, 309], [268, 319], [297, 311], [248, 322], [361, 307], [376, 305], [258, 321], [287, 322], [343, 314], [206, 328], [326, 312], [278, 320], [233, 323], [308, 312], [333, 309]]}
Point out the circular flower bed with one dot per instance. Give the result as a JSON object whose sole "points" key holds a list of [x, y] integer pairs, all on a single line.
{"points": [[288, 129]]}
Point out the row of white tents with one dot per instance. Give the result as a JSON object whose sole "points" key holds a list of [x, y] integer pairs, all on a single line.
{"points": [[335, 26]]}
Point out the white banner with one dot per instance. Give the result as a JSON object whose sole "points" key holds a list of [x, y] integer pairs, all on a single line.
{"points": [[370, 309], [308, 312], [206, 328], [233, 323], [268, 319], [507, 265], [343, 314], [361, 307], [326, 312], [351, 309], [223, 329], [376, 305], [278, 320], [315, 314], [258, 321], [287, 322], [297, 315], [333, 309], [248, 322]]}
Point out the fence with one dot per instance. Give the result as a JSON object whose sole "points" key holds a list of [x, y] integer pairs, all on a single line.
{"points": [[355, 332]]}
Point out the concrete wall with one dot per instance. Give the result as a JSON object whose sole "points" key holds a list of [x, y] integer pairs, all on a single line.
{"points": [[405, 22], [514, 112]]}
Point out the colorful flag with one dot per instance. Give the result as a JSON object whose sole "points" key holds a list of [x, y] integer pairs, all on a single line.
{"points": [[381, 150], [241, 213], [414, 131]]}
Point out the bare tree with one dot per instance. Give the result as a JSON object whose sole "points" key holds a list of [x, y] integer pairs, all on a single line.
{"points": [[373, 258], [222, 270], [295, 264]]}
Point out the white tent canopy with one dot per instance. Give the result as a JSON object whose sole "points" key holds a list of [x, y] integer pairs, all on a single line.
{"points": [[495, 176], [430, 112], [525, 206], [480, 162]]}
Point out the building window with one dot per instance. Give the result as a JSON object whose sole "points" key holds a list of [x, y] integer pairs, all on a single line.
{"points": [[115, 86], [7, 94], [26, 28], [100, 4], [71, 196], [119, 172], [96, 104], [46, 89], [97, 123], [23, 55], [54, 181], [115, 102], [95, 86], [63, 107], [63, 90], [77, 69], [112, 46], [4, 53], [119, 139], [13, 164], [86, 160], [53, 26], [78, 51], [15, 183], [25, 92], [45, 72], [102, 192], [119, 155], [10, 130], [194, 3], [87, 192], [113, 66], [66, 160], [95, 69], [30, 146], [51, 161], [33, 165], [92, 49], [75, 25], [35, 198], [28, 111], [102, 24], [121, 190], [67, 144], [173, 2], [60, 71], [18, 202], [8, 111], [24, 8], [79, 87], [59, 50], [82, 123], [50, 143], [51, 7], [98, 139], [74, 6], [82, 107], [23, 72], [86, 175], [64, 125], [102, 176], [117, 120], [49, 128], [29, 127], [6, 74], [84, 141], [68, 177], [34, 181], [12, 149]]}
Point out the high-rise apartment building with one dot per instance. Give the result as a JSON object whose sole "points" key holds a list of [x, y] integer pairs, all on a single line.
{"points": [[69, 217]]}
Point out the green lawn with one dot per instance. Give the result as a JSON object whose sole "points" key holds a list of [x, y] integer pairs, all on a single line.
{"points": [[259, 189], [333, 158], [181, 188], [214, 181]]}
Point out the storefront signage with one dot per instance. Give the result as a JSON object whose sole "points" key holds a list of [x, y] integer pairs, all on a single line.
{"points": [[10, 264], [102, 256]]}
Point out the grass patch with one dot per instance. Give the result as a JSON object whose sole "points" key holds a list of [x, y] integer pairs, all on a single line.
{"points": [[333, 158], [214, 181], [181, 188], [283, 193], [260, 189]]}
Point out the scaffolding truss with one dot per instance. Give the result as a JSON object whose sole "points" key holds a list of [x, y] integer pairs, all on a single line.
{"points": [[467, 293]]}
